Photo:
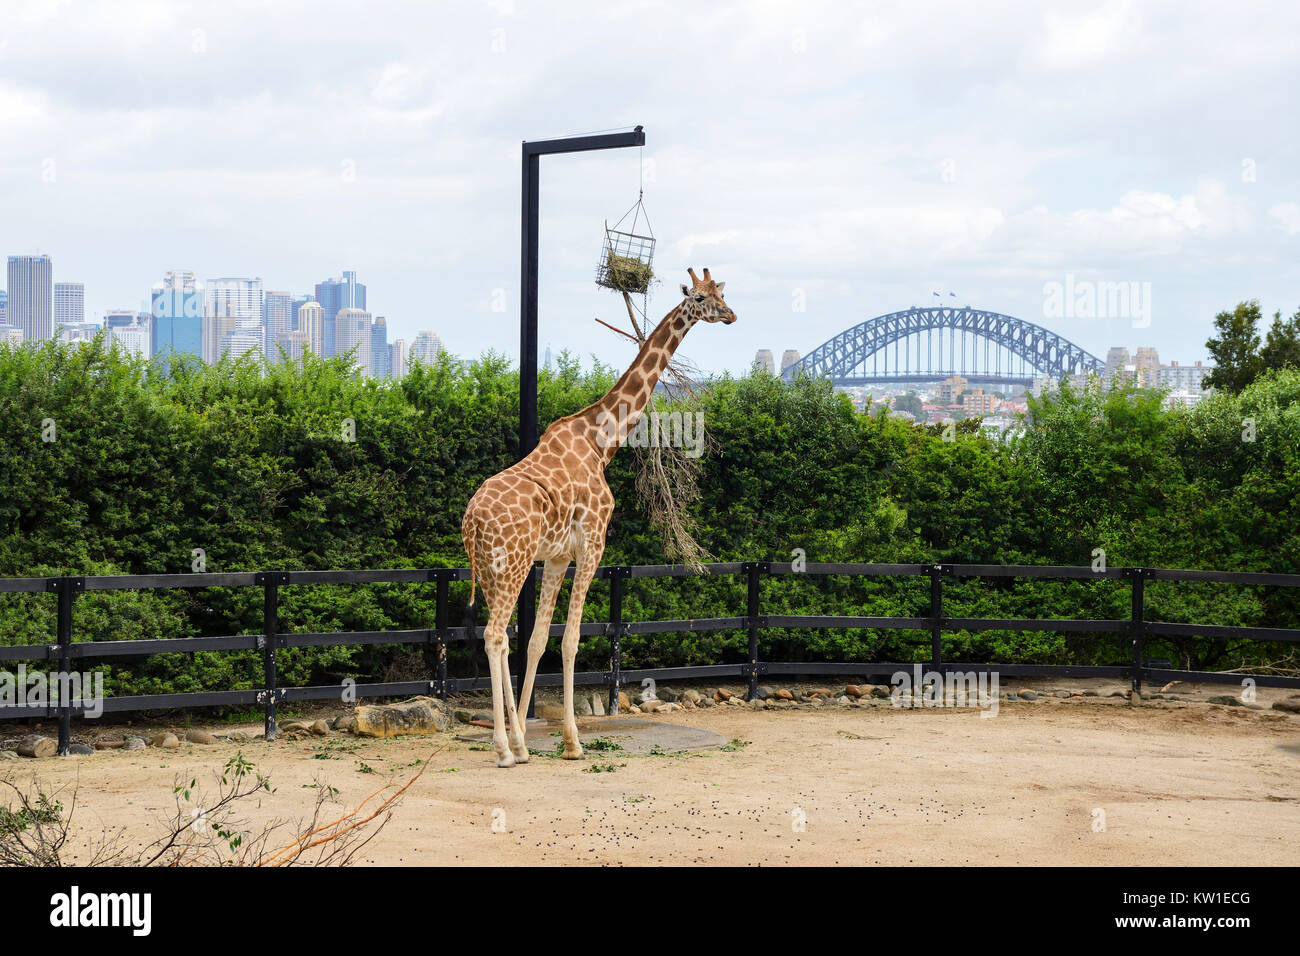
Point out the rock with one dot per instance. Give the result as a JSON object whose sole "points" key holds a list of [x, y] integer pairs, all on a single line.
{"points": [[854, 691], [634, 709], [109, 744], [293, 727], [321, 729], [764, 692], [1117, 693], [547, 711], [844, 699], [203, 737], [1026, 695], [38, 747], [81, 750], [239, 736], [8, 755], [485, 716], [694, 696], [340, 722], [598, 704], [706, 702], [668, 708], [823, 692], [737, 701], [419, 715], [134, 743], [1288, 706], [1226, 700], [668, 695], [165, 741], [1089, 693], [721, 696], [758, 703], [1012, 697], [880, 693], [1064, 694], [623, 702], [783, 694], [581, 706], [651, 706]]}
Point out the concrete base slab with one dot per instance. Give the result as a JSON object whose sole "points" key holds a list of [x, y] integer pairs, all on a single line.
{"points": [[635, 735]]}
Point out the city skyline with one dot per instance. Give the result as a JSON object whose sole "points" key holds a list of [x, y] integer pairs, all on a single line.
{"points": [[857, 193]]}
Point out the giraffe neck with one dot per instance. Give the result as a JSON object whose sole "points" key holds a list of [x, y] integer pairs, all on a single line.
{"points": [[616, 414]]}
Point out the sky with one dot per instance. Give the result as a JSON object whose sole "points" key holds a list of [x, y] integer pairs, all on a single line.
{"points": [[831, 162]]}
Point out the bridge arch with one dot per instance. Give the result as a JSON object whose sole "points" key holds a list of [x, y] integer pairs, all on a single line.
{"points": [[853, 357]]}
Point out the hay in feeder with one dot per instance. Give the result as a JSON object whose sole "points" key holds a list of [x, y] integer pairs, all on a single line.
{"points": [[627, 274]]}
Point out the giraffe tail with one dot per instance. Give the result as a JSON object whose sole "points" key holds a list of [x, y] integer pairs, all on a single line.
{"points": [[468, 532]]}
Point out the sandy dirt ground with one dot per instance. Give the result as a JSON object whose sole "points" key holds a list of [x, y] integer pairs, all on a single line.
{"points": [[1179, 783]]}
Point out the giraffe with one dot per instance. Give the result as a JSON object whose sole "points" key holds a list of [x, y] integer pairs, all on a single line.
{"points": [[554, 506]]}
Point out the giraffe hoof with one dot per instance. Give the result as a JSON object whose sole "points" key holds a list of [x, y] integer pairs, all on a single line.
{"points": [[574, 754], [521, 756], [506, 759]]}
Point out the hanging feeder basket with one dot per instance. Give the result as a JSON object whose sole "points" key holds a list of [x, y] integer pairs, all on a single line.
{"points": [[627, 257]]}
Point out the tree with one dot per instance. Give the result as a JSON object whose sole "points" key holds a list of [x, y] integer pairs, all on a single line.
{"points": [[1236, 349], [1282, 347]]}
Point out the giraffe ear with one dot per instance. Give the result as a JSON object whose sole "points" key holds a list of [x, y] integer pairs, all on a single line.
{"points": [[721, 286], [685, 290]]}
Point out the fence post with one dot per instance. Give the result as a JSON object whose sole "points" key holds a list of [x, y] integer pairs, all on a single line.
{"points": [[936, 572], [66, 589], [443, 577], [270, 581], [616, 575], [1136, 625], [752, 570]]}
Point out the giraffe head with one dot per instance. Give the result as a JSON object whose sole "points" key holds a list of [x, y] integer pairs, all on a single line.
{"points": [[704, 299]]}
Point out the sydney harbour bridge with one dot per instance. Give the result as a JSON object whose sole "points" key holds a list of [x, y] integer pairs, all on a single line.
{"points": [[930, 344]]}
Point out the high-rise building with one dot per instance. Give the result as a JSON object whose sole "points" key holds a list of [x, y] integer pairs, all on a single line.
{"points": [[311, 322], [1184, 378], [176, 322], [426, 348], [69, 304], [1117, 360], [399, 355], [380, 365], [278, 319], [353, 335], [10, 334], [764, 361], [335, 294], [950, 390], [132, 338], [31, 296], [4, 307], [1146, 366], [231, 305]]}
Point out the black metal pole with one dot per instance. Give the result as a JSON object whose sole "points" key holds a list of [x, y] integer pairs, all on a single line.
{"points": [[751, 612], [270, 624], [936, 618], [529, 205], [442, 614], [67, 588], [1139, 596], [616, 576]]}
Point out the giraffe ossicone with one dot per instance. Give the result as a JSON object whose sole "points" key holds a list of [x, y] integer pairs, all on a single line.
{"points": [[554, 506]]}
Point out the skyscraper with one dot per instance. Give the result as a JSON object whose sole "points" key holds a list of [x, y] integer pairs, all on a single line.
{"points": [[399, 354], [69, 304], [311, 322], [230, 306], [31, 296], [278, 319], [177, 316], [335, 294], [4, 307], [353, 334], [380, 363], [426, 348]]}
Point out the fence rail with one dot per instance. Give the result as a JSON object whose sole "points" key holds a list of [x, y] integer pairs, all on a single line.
{"points": [[64, 650]]}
